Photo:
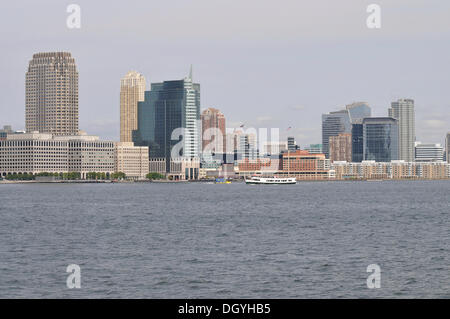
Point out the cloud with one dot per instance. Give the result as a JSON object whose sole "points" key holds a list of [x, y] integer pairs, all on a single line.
{"points": [[264, 119], [298, 107], [435, 124]]}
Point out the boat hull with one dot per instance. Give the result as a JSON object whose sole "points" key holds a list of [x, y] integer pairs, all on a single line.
{"points": [[271, 181]]}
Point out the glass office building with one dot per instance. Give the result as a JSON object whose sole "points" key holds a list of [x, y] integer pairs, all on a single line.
{"points": [[169, 106], [358, 111], [334, 124], [357, 143], [380, 135], [339, 122]]}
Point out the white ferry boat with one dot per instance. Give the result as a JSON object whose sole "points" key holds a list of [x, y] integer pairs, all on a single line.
{"points": [[271, 180]]}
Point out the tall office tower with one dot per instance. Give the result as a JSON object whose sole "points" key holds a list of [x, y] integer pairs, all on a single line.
{"points": [[403, 111], [428, 152], [292, 144], [168, 106], [380, 136], [51, 101], [247, 147], [333, 124], [447, 147], [212, 120], [132, 89], [357, 143], [358, 111], [341, 147]]}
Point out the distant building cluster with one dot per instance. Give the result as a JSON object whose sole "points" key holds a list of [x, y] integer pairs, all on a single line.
{"points": [[164, 131]]}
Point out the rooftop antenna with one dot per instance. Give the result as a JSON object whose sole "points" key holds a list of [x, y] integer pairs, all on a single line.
{"points": [[190, 72]]}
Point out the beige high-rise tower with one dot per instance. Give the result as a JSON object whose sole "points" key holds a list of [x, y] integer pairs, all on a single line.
{"points": [[132, 89], [51, 101]]}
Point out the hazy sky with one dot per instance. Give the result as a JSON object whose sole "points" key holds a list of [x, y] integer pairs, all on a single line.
{"points": [[263, 63]]}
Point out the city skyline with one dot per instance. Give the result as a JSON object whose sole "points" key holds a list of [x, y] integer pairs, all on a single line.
{"points": [[54, 74], [378, 66]]}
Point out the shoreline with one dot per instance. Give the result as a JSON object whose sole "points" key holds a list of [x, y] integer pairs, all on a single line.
{"points": [[5, 182]]}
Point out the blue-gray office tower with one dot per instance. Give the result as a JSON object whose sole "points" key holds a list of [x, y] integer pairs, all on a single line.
{"points": [[381, 138], [335, 123], [169, 108]]}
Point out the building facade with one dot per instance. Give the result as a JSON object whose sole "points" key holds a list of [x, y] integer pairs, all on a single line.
{"points": [[213, 130], [380, 136], [447, 147], [391, 170], [169, 117], [132, 89], [34, 153], [314, 148], [7, 129], [292, 144], [341, 147], [131, 160], [305, 166], [357, 143], [428, 152], [334, 124], [403, 111], [358, 111], [51, 100]]}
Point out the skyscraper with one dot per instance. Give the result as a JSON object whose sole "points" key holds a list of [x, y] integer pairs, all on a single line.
{"points": [[168, 106], [292, 144], [447, 147], [357, 143], [403, 111], [213, 119], [132, 89], [358, 111], [51, 100], [334, 124], [341, 147], [380, 139]]}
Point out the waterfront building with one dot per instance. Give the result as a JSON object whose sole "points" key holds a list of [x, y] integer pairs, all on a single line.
{"points": [[51, 100], [131, 160], [183, 168], [305, 166], [380, 135], [213, 123], [260, 166], [169, 116], [132, 89], [428, 152], [397, 169], [34, 153], [403, 111], [341, 147]]}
